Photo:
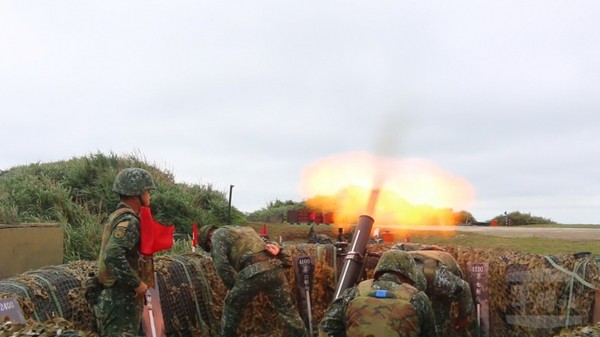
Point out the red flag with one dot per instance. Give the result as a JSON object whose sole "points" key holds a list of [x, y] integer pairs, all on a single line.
{"points": [[194, 235], [263, 231], [154, 236]]}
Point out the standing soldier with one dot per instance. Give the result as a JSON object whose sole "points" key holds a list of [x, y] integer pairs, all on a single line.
{"points": [[120, 305], [444, 286], [387, 306], [248, 265]]}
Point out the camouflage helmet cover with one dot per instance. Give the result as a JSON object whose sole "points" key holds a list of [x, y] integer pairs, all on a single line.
{"points": [[133, 181], [400, 262], [203, 236]]}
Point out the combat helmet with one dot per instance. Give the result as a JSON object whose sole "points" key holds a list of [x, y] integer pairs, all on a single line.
{"points": [[400, 262], [203, 236], [133, 181]]}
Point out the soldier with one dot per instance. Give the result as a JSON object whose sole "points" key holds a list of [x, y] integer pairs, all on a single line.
{"points": [[248, 265], [314, 237], [120, 304], [387, 306], [444, 286]]}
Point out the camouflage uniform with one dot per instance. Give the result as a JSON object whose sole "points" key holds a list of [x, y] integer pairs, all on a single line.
{"points": [[117, 312], [445, 285], [384, 306], [246, 268]]}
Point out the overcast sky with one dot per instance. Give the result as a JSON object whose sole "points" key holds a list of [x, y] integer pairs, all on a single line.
{"points": [[502, 94]]}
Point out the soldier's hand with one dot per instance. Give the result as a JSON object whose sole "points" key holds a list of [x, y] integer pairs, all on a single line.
{"points": [[140, 291], [272, 249]]}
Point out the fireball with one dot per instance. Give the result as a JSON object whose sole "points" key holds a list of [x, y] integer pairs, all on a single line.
{"points": [[395, 192]]}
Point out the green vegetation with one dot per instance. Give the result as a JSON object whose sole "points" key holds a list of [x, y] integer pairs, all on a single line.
{"points": [[77, 194], [520, 219], [276, 210], [515, 244]]}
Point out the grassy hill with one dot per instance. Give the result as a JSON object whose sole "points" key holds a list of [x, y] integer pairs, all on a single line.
{"points": [[77, 194]]}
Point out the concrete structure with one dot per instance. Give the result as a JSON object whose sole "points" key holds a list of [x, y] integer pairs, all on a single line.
{"points": [[26, 247]]}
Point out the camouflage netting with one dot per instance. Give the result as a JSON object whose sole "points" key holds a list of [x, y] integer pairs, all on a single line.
{"points": [[529, 295], [535, 295], [52, 292], [50, 328], [586, 331], [191, 294]]}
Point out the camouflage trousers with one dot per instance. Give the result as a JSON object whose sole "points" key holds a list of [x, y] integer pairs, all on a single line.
{"points": [[274, 284], [118, 313]]}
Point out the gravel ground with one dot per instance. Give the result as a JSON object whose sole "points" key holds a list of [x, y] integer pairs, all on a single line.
{"points": [[574, 234]]}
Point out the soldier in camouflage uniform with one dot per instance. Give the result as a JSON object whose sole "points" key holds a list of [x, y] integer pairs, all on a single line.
{"points": [[444, 285], [248, 265], [387, 306], [314, 237], [120, 304]]}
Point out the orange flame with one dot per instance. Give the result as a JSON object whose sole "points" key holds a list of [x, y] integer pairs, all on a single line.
{"points": [[394, 192]]}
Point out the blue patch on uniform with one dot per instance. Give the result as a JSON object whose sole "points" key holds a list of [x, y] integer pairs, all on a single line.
{"points": [[381, 293]]}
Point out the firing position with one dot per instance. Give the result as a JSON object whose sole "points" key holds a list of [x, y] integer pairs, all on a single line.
{"points": [[387, 306], [248, 265]]}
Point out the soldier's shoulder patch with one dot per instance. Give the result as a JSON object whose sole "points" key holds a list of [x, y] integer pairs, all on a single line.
{"points": [[123, 224], [121, 229]]}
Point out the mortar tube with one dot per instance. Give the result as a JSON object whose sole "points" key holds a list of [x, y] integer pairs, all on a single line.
{"points": [[351, 269]]}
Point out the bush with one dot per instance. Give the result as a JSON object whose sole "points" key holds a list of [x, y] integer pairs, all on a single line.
{"points": [[77, 194], [275, 209], [520, 219]]}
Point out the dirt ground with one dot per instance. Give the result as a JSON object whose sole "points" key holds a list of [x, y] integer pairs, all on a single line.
{"points": [[574, 234]]}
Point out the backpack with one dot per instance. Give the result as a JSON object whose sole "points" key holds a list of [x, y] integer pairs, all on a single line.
{"points": [[382, 313]]}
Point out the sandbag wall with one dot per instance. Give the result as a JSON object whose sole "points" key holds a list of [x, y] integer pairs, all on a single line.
{"points": [[51, 292], [536, 295], [191, 294], [529, 295]]}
